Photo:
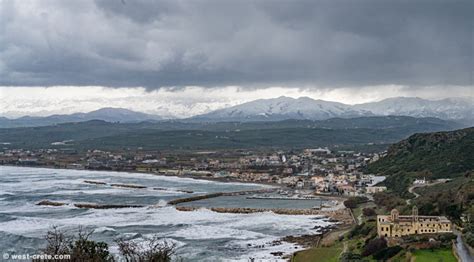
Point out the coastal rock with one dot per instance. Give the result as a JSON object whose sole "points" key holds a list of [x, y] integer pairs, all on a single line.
{"points": [[50, 203]]}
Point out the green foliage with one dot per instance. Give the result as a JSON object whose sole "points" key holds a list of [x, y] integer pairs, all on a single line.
{"points": [[442, 255], [363, 230], [353, 202], [399, 184], [469, 237], [79, 247], [373, 246], [452, 198], [388, 200], [352, 257], [386, 253], [442, 154], [187, 135], [84, 249], [368, 212]]}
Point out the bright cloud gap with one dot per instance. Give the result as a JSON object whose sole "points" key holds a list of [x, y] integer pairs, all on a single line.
{"points": [[191, 100]]}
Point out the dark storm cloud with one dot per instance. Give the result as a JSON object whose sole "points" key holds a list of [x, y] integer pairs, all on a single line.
{"points": [[248, 43]]}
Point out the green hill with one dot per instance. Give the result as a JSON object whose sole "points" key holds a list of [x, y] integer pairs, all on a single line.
{"points": [[440, 154], [364, 132]]}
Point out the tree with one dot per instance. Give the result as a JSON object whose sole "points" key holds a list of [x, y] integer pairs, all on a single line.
{"points": [[79, 247], [368, 212], [350, 203], [373, 246]]}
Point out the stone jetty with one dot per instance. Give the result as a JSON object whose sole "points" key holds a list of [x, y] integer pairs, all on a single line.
{"points": [[94, 182], [218, 194], [341, 215], [87, 205], [99, 206], [128, 186], [50, 203]]}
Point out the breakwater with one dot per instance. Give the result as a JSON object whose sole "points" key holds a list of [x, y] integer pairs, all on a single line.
{"points": [[87, 205], [341, 215], [218, 194]]}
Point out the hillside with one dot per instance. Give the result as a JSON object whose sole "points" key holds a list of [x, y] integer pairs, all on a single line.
{"points": [[443, 154], [358, 132]]}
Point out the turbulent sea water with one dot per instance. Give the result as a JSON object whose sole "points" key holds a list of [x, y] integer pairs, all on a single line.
{"points": [[200, 235]]}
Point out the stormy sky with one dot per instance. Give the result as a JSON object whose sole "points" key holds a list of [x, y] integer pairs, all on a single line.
{"points": [[319, 48]]}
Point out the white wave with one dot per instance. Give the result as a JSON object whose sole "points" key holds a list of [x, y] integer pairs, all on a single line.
{"points": [[103, 229], [215, 232], [25, 171], [262, 249]]}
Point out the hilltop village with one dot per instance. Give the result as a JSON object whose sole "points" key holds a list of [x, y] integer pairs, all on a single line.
{"points": [[319, 170]]}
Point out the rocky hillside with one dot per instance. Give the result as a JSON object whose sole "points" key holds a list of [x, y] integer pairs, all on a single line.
{"points": [[440, 154]]}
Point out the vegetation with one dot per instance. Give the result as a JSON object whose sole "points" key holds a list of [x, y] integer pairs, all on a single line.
{"points": [[442, 154], [388, 200], [343, 133], [367, 229], [452, 198], [373, 246], [427, 255], [368, 212], [326, 254], [81, 248], [353, 202], [386, 253]]}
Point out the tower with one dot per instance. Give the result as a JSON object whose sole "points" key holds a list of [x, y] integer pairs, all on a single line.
{"points": [[414, 214], [394, 215]]}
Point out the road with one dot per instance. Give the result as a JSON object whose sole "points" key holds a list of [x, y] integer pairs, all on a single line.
{"points": [[412, 188], [462, 251]]}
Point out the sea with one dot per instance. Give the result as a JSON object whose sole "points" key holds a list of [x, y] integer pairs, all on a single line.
{"points": [[200, 235]]}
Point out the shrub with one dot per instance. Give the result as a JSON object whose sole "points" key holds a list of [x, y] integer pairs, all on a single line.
{"points": [[79, 247], [373, 246], [368, 212], [351, 257], [353, 202], [363, 229], [387, 253], [350, 203]]}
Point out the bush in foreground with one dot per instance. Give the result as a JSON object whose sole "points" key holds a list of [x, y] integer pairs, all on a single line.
{"points": [[81, 248]]}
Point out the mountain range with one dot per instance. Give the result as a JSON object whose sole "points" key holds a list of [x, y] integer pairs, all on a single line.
{"points": [[106, 114], [281, 108]]}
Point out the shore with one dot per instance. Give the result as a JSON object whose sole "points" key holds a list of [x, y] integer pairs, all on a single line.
{"points": [[341, 215], [215, 179]]}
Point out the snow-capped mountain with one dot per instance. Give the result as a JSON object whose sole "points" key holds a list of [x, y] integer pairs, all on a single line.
{"points": [[449, 108], [306, 108], [283, 108], [106, 114]]}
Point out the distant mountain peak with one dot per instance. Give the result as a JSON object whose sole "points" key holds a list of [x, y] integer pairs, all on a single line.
{"points": [[108, 114], [281, 108]]}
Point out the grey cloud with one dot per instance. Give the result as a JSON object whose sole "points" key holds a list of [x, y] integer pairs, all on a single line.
{"points": [[248, 43]]}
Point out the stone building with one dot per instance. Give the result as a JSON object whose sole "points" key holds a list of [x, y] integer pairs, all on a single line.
{"points": [[396, 225]]}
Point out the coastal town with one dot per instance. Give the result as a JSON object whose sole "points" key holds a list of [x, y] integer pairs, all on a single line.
{"points": [[330, 183], [318, 170]]}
